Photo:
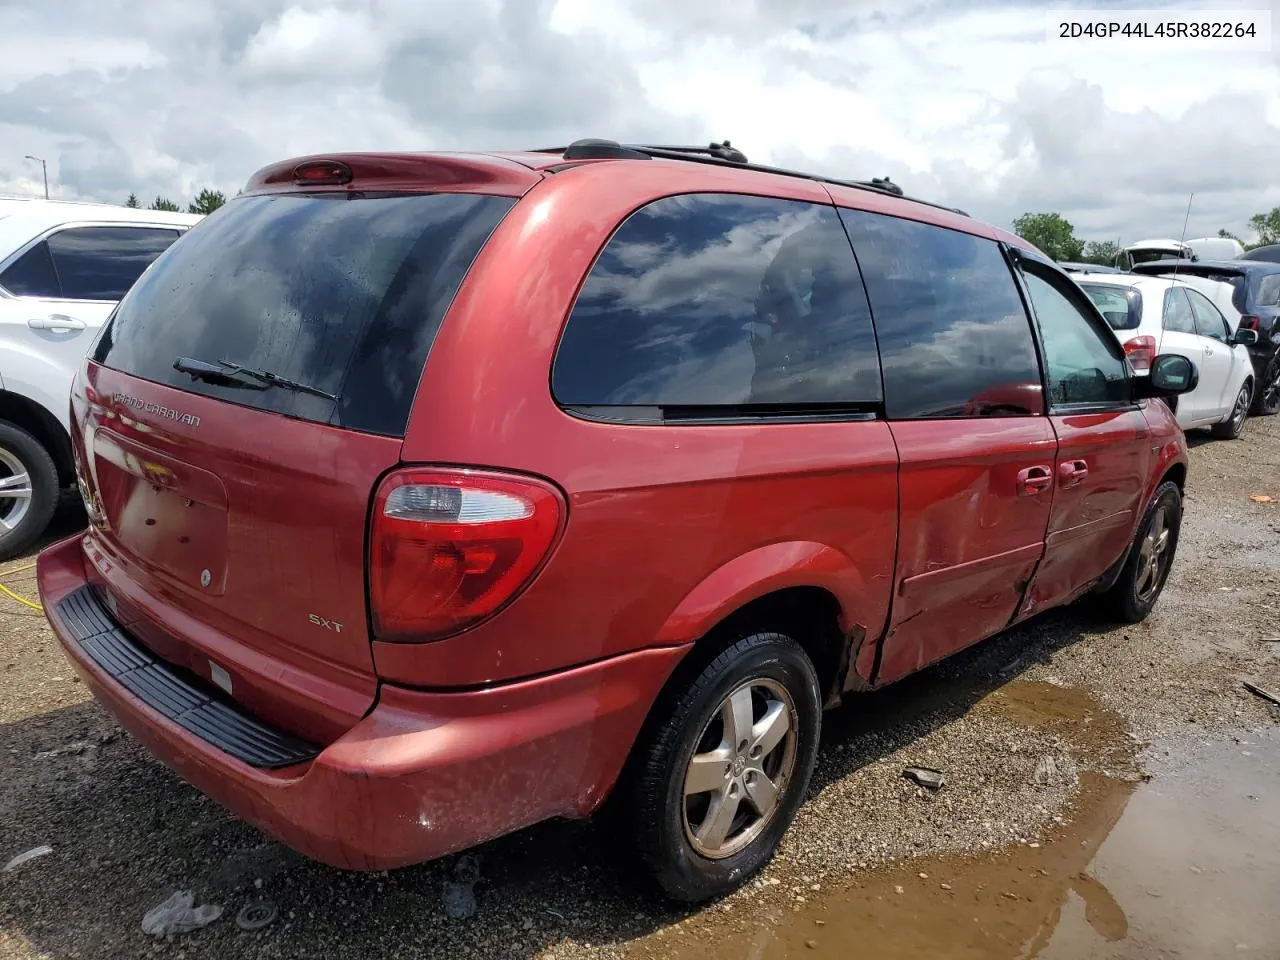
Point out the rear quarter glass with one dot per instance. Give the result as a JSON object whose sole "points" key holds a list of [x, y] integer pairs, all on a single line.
{"points": [[341, 292]]}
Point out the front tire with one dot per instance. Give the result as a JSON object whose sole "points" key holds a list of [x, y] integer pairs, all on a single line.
{"points": [[28, 490], [1151, 556], [715, 782], [1229, 429]]}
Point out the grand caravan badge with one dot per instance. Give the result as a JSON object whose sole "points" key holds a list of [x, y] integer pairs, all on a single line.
{"points": [[157, 409]]}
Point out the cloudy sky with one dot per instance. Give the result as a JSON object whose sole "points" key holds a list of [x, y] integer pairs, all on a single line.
{"points": [[962, 102]]}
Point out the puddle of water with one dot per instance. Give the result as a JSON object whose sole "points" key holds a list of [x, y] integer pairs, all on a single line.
{"points": [[1186, 865], [1071, 713], [1195, 857]]}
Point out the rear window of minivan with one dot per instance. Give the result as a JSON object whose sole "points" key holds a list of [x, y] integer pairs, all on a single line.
{"points": [[341, 293], [1120, 306]]}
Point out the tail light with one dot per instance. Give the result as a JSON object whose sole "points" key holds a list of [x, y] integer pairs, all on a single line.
{"points": [[1249, 322], [1140, 351], [450, 548]]}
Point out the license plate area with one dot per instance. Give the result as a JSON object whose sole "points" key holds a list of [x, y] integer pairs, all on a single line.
{"points": [[168, 516]]}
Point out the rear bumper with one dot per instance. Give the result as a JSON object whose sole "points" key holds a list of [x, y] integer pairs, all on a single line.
{"points": [[423, 774]]}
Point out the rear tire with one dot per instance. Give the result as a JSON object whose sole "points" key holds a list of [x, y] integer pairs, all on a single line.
{"points": [[1151, 556], [1230, 428], [703, 814], [1267, 401]]}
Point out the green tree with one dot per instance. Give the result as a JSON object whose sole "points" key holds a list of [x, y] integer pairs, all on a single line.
{"points": [[207, 201], [164, 203], [1267, 225], [132, 201], [1051, 233], [1228, 235], [1102, 252]]}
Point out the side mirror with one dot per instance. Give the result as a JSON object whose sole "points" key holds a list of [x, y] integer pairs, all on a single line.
{"points": [[1244, 338], [1171, 375]]}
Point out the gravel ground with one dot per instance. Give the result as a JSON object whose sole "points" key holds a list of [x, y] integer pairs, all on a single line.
{"points": [[127, 833]]}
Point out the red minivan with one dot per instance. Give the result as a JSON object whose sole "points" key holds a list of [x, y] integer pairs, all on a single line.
{"points": [[435, 495]]}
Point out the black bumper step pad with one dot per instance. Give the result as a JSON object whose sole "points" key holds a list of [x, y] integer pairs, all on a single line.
{"points": [[188, 701]]}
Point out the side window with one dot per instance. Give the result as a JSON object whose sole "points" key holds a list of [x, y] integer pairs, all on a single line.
{"points": [[32, 275], [1082, 366], [954, 336], [1178, 317], [101, 263], [721, 300], [1209, 320], [1268, 291]]}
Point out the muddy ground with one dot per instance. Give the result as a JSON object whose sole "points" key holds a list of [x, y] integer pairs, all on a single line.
{"points": [[1109, 793]]}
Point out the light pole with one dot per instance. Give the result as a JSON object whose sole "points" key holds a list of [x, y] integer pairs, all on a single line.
{"points": [[45, 170]]}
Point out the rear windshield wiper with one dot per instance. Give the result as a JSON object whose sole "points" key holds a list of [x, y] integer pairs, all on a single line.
{"points": [[203, 370]]}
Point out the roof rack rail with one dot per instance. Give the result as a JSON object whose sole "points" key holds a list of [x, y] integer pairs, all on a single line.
{"points": [[594, 148], [719, 154], [719, 151]]}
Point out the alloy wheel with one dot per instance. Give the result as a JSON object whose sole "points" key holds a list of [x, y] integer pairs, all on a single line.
{"points": [[15, 492], [1154, 555], [740, 768], [1241, 408]]}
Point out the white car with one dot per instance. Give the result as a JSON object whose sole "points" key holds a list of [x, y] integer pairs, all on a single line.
{"points": [[1221, 294], [63, 267], [1202, 248], [1154, 315]]}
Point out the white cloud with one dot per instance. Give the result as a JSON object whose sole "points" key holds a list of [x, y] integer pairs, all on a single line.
{"points": [[305, 44], [960, 102]]}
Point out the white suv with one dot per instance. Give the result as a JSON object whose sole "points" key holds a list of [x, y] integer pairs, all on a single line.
{"points": [[63, 266]]}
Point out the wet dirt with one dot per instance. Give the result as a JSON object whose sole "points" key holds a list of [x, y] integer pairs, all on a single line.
{"points": [[1179, 860]]}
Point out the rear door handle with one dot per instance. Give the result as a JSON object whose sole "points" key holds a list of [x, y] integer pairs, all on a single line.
{"points": [[55, 321], [1071, 473], [1034, 480]]}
